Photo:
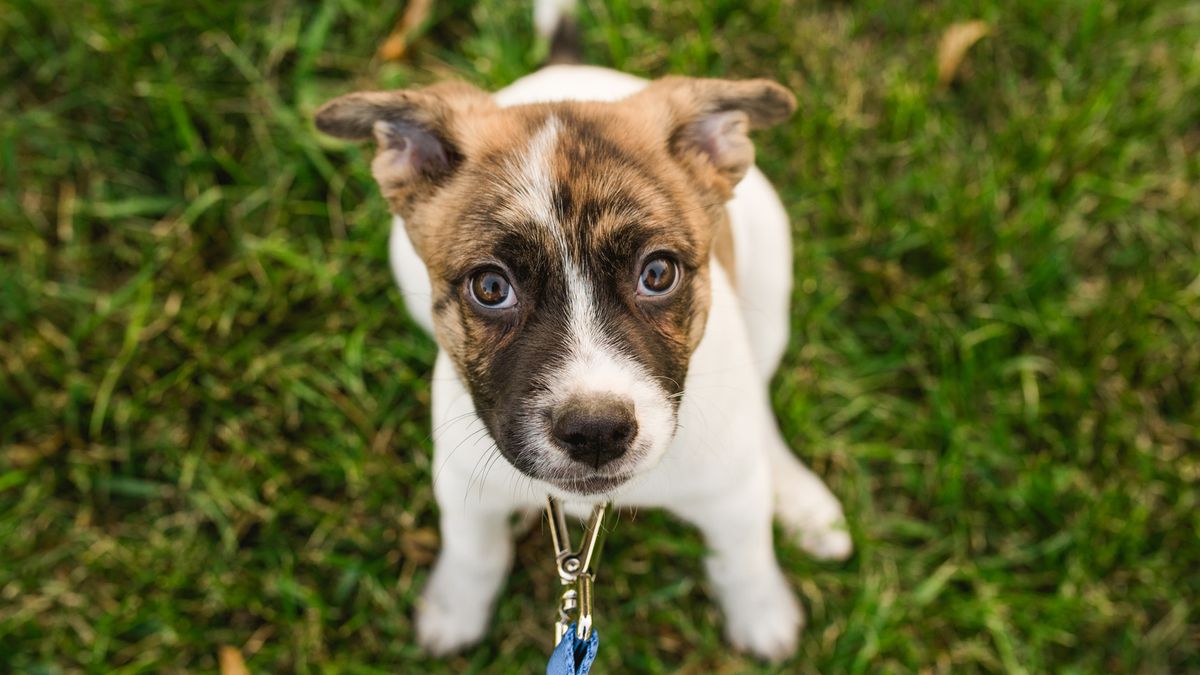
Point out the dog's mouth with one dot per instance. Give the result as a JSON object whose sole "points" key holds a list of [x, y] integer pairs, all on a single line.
{"points": [[587, 485], [585, 446], [547, 463]]}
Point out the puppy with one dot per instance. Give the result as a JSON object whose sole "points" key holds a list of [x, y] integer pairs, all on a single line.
{"points": [[607, 276]]}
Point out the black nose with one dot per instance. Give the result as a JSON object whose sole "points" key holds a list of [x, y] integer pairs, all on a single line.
{"points": [[594, 430]]}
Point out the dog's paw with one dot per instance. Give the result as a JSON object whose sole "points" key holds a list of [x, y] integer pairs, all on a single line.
{"points": [[449, 619], [765, 623], [828, 542], [813, 518]]}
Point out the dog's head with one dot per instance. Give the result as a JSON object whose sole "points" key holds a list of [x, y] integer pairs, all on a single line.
{"points": [[568, 246]]}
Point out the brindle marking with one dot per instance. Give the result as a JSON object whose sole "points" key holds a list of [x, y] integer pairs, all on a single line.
{"points": [[511, 188]]}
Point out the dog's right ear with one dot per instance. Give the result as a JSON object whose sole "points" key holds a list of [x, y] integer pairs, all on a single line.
{"points": [[416, 131], [707, 123]]}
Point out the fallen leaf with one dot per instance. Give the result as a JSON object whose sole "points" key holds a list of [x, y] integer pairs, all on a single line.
{"points": [[956, 41], [396, 44], [231, 661], [420, 545]]}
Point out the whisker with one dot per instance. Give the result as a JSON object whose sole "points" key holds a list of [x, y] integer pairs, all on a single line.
{"points": [[470, 479]]}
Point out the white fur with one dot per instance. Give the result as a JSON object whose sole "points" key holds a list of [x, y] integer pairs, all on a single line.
{"points": [[727, 469], [547, 13], [531, 182]]}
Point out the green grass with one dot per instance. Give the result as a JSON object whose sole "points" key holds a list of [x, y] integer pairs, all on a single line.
{"points": [[213, 410]]}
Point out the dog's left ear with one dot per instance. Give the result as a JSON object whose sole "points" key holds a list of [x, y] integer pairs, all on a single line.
{"points": [[420, 142], [707, 122]]}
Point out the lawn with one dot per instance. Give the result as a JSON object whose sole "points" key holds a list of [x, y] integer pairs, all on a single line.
{"points": [[214, 411]]}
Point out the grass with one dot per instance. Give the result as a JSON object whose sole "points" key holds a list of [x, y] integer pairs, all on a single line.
{"points": [[214, 427]]}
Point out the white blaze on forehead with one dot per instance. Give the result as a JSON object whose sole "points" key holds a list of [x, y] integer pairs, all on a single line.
{"points": [[532, 181], [595, 364], [534, 197]]}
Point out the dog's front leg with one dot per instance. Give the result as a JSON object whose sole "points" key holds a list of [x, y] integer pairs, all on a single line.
{"points": [[762, 615], [456, 605]]}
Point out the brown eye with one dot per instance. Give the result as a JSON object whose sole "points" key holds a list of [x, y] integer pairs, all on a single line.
{"points": [[659, 277], [491, 289]]}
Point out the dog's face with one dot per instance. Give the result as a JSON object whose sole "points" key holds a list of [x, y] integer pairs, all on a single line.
{"points": [[569, 249]]}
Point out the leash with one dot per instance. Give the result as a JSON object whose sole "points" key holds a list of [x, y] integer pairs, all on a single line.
{"points": [[577, 640]]}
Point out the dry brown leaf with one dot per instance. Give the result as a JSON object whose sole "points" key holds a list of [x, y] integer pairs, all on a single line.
{"points": [[956, 41], [231, 661], [396, 44], [419, 545]]}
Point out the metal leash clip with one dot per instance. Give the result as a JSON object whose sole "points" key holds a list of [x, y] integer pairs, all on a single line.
{"points": [[574, 568]]}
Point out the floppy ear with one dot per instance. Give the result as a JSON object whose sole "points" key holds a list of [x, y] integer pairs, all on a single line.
{"points": [[415, 131], [708, 122]]}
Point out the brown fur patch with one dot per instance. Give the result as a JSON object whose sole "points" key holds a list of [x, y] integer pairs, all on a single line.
{"points": [[615, 197], [723, 249], [529, 189]]}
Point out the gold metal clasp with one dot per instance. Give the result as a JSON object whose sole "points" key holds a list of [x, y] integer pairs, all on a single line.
{"points": [[574, 568]]}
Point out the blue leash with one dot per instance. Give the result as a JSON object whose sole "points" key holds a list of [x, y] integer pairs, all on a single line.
{"points": [[573, 656]]}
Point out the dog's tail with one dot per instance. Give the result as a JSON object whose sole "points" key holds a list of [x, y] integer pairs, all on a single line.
{"points": [[555, 21]]}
